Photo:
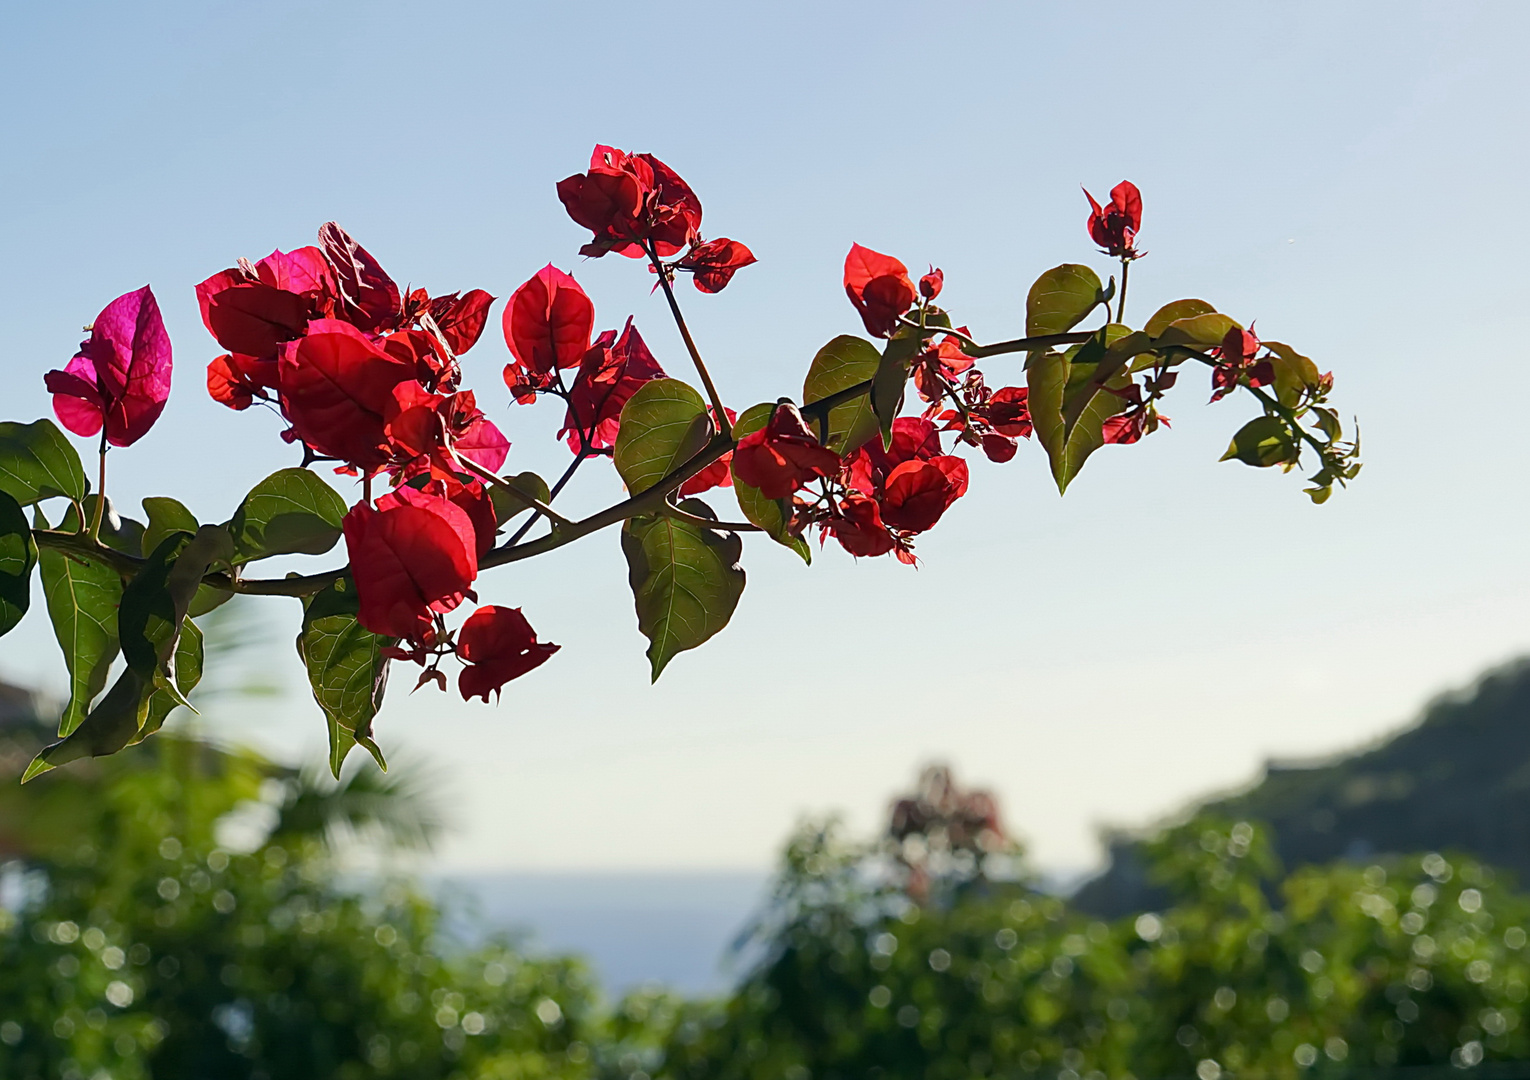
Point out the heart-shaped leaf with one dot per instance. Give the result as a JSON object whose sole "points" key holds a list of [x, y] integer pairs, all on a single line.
{"points": [[1199, 331], [165, 516], [291, 511], [663, 425], [346, 669], [844, 362], [37, 462], [1061, 298], [685, 579], [1173, 312]]}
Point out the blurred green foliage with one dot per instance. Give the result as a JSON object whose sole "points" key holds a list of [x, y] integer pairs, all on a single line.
{"points": [[1327, 971]]}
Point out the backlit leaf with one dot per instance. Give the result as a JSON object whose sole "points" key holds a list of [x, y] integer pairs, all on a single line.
{"points": [[663, 425], [1173, 312], [844, 362], [346, 669], [1061, 298], [37, 462], [771, 515], [291, 511]]}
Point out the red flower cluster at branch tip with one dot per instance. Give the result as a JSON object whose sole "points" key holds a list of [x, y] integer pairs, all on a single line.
{"points": [[120, 378], [336, 385], [548, 323], [630, 201], [931, 284], [913, 481], [612, 370], [1114, 227], [1235, 360], [879, 287], [498, 645], [783, 455], [714, 263]]}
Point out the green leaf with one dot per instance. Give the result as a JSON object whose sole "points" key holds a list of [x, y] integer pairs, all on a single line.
{"points": [[37, 462], [1199, 331], [119, 533], [1262, 442], [507, 506], [188, 672], [1294, 373], [165, 516], [772, 515], [891, 380], [18, 555], [346, 669], [1053, 379], [291, 511], [1173, 312], [663, 425], [844, 362], [149, 625], [685, 579], [1061, 298], [82, 596]]}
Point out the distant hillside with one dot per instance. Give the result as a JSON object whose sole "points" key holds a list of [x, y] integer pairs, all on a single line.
{"points": [[1458, 779]]}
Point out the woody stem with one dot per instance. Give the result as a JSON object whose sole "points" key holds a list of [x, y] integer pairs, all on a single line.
{"points": [[1126, 267], [723, 426]]}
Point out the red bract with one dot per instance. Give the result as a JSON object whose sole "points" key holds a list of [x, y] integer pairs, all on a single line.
{"points": [[336, 387], [120, 378], [1115, 227], [1236, 358], [629, 200], [860, 530], [1009, 413], [369, 298], [917, 493], [433, 366], [939, 365], [429, 431], [498, 645], [610, 373], [415, 553], [879, 287], [931, 284], [461, 318], [547, 323], [999, 448], [783, 455], [714, 263]]}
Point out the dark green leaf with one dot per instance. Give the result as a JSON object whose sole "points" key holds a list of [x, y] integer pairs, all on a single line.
{"points": [[663, 425], [1173, 312], [685, 579], [119, 533], [891, 380], [18, 555], [1294, 373], [507, 506], [1262, 442], [82, 596], [1053, 378], [346, 669], [165, 516], [842, 363], [289, 512], [37, 462], [188, 672], [1061, 298], [772, 515]]}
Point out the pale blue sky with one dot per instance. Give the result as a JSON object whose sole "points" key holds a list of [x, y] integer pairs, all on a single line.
{"points": [[1351, 176]]}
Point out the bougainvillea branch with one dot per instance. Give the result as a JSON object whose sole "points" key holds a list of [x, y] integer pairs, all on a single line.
{"points": [[366, 375]]}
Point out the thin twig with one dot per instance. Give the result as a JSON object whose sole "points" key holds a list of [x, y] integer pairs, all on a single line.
{"points": [[514, 492], [723, 426]]}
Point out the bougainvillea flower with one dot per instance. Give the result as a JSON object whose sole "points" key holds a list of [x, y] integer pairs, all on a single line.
{"points": [[914, 438], [931, 284], [879, 287], [461, 319], [610, 373], [369, 298], [783, 455], [1009, 412], [939, 365], [336, 388], [498, 645], [547, 323], [1235, 358], [431, 431], [714, 263], [1124, 428], [859, 529], [236, 381], [628, 200], [999, 448], [1114, 227], [917, 493], [434, 367], [252, 309], [120, 378], [414, 553]]}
